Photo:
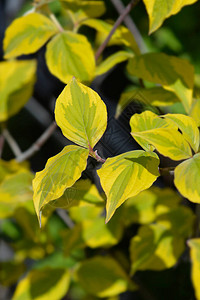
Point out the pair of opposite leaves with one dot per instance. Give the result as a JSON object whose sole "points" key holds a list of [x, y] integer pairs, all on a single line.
{"points": [[82, 117]]}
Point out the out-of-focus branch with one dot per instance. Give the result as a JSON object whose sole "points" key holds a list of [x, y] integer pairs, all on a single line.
{"points": [[38, 144], [2, 140], [115, 26], [65, 217], [119, 6], [11, 142]]}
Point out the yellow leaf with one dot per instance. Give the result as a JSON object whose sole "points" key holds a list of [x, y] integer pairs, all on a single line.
{"points": [[81, 114], [17, 79], [194, 245], [60, 172], [111, 61], [151, 130], [27, 34], [43, 284], [156, 96], [132, 172], [102, 276], [187, 178], [188, 128], [155, 248], [173, 73], [159, 11], [70, 54]]}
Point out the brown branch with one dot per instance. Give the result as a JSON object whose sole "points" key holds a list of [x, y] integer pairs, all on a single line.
{"points": [[38, 144], [115, 26]]}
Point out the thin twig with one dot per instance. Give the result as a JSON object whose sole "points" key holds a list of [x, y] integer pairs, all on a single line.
{"points": [[119, 6], [115, 26], [11, 142], [65, 217], [38, 144]]}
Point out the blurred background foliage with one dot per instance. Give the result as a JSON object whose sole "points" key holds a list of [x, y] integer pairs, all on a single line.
{"points": [[24, 246]]}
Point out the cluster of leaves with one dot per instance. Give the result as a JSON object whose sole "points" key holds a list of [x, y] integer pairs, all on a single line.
{"points": [[64, 264]]}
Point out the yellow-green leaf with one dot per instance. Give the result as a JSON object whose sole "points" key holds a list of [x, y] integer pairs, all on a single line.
{"points": [[111, 61], [173, 73], [146, 206], [155, 248], [188, 128], [10, 272], [159, 11], [98, 234], [27, 34], [180, 220], [90, 8], [187, 178], [17, 79], [151, 130], [60, 172], [132, 172], [81, 114], [194, 245], [156, 96], [43, 284], [70, 54], [15, 191], [102, 276], [10, 167], [122, 35], [84, 211], [144, 122], [195, 111]]}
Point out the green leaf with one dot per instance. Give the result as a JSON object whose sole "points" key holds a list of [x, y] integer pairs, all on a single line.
{"points": [[43, 284], [102, 276], [149, 130], [145, 207], [111, 61], [158, 11], [60, 172], [187, 177], [27, 34], [155, 248], [15, 191], [90, 8], [194, 245], [70, 54], [122, 35], [156, 96], [132, 172], [173, 73], [17, 79], [81, 114], [188, 128]]}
